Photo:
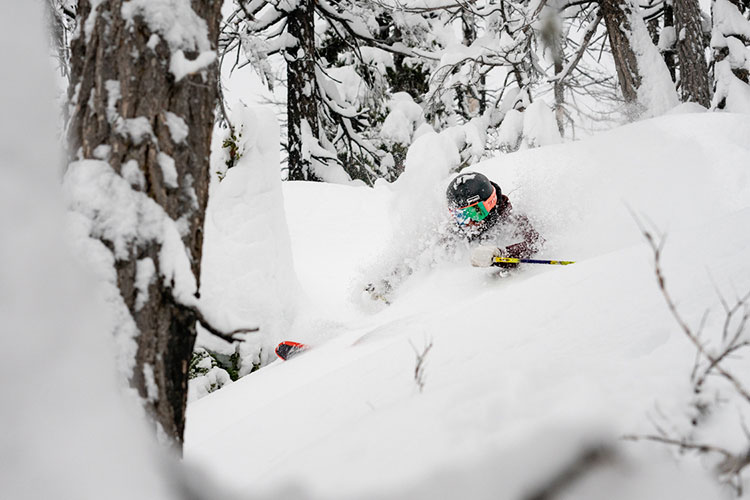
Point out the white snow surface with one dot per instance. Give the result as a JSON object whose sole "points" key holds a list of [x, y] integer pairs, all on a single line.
{"points": [[525, 371]]}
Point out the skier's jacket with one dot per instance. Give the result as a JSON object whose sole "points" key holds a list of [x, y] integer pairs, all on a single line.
{"points": [[502, 220]]}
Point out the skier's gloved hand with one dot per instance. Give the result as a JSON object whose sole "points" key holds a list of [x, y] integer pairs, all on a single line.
{"points": [[379, 290], [483, 255]]}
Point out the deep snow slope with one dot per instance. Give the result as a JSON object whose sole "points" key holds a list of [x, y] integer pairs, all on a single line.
{"points": [[526, 372]]}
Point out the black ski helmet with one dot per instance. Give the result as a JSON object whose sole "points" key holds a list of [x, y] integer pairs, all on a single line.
{"points": [[469, 188]]}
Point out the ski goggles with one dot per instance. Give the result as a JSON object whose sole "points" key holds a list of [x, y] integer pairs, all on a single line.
{"points": [[477, 211]]}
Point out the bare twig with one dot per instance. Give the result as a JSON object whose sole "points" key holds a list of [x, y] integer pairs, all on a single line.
{"points": [[683, 444], [420, 365]]}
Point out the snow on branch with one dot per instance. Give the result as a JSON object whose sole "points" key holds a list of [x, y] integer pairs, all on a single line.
{"points": [[266, 21], [450, 6], [357, 29], [729, 21], [331, 98]]}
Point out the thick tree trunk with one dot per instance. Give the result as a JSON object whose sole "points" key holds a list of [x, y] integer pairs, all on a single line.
{"points": [[616, 15], [695, 82], [130, 110], [301, 103]]}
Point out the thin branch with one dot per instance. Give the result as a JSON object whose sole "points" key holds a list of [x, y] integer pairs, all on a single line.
{"points": [[702, 448], [590, 32], [696, 365], [228, 336]]}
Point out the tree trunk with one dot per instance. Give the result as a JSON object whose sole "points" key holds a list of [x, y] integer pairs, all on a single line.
{"points": [[301, 88], [470, 99], [131, 110], [669, 58], [616, 15], [553, 42], [695, 83]]}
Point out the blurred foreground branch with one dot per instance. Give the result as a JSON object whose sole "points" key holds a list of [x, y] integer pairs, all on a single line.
{"points": [[708, 361]]}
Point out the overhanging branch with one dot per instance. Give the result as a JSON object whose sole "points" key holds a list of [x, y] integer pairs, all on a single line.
{"points": [[228, 336]]}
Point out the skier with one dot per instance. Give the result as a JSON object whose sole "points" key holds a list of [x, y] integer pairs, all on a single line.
{"points": [[484, 215]]}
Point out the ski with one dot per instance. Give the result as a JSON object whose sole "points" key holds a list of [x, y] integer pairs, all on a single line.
{"points": [[288, 349]]}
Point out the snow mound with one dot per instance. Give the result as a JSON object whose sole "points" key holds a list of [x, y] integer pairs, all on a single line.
{"points": [[247, 272]]}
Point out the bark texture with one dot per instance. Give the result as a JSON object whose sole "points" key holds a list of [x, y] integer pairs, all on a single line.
{"points": [[695, 83], [113, 58], [301, 88], [616, 15]]}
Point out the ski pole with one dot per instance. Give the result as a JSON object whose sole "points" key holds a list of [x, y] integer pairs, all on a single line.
{"points": [[511, 260]]}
